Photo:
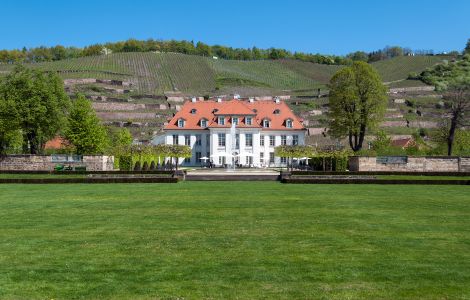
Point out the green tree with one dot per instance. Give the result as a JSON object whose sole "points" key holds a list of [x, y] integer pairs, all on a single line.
{"points": [[41, 105], [382, 141], [467, 47], [291, 151], [177, 152], [84, 129], [357, 102], [9, 125]]}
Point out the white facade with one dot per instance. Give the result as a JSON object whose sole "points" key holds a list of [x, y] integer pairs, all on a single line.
{"points": [[210, 143]]}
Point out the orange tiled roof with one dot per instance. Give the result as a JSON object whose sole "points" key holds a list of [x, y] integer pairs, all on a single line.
{"points": [[57, 143], [403, 143], [193, 112]]}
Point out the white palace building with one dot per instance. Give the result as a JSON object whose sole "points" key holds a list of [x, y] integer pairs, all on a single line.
{"points": [[227, 132]]}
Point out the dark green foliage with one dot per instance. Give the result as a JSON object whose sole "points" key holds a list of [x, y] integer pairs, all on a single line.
{"points": [[37, 102]]}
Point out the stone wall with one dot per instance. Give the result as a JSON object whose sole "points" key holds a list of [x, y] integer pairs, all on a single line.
{"points": [[46, 163], [416, 164]]}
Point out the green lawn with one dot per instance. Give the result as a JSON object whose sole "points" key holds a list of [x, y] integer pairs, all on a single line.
{"points": [[232, 240]]}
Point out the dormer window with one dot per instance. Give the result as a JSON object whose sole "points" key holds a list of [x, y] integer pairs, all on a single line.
{"points": [[277, 111], [181, 123], [221, 121], [235, 120], [265, 123], [248, 120], [203, 123], [289, 123], [193, 111]]}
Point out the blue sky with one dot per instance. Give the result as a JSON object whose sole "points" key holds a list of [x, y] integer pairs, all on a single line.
{"points": [[329, 27]]}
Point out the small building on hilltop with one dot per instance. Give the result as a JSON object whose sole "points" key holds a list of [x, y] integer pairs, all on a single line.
{"points": [[241, 132]]}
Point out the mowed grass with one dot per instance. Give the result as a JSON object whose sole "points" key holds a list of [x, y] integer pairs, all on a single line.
{"points": [[234, 240]]}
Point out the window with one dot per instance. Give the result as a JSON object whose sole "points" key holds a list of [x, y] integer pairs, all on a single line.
{"points": [[271, 157], [187, 140], [249, 160], [277, 111], [198, 157], [261, 156], [180, 123], [175, 139], [249, 140], [198, 140], [237, 140], [295, 140], [193, 111], [221, 121], [265, 123], [289, 123], [248, 120], [187, 160], [221, 137], [283, 160], [208, 141], [283, 140], [235, 120], [271, 140], [261, 140], [221, 160], [203, 123]]}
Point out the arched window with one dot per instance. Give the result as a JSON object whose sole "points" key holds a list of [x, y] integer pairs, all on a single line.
{"points": [[289, 123], [277, 111], [193, 111], [265, 123], [181, 123]]}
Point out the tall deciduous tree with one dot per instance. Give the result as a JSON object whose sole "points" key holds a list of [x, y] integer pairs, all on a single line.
{"points": [[40, 102], [84, 129], [357, 102], [9, 124], [458, 100]]}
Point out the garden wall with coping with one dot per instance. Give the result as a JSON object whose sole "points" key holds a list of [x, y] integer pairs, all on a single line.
{"points": [[49, 162], [410, 164]]}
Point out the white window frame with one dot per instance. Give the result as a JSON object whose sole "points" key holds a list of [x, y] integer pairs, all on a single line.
{"points": [[221, 121], [219, 138], [187, 140], [266, 123], [295, 139], [251, 140], [235, 120], [204, 123], [272, 140], [283, 140], [248, 121], [181, 123], [289, 123]]}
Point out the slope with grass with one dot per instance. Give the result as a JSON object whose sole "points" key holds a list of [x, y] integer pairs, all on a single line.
{"points": [[156, 73], [233, 240], [398, 68]]}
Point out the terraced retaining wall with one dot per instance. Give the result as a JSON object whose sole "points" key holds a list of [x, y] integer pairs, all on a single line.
{"points": [[48, 162], [411, 164]]}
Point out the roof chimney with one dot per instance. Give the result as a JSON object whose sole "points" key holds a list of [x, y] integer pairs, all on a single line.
{"points": [[193, 99], [277, 100], [251, 99], [219, 100]]}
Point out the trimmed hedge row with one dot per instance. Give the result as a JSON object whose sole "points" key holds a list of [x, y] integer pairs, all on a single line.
{"points": [[300, 173], [90, 180], [85, 172], [374, 181]]}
